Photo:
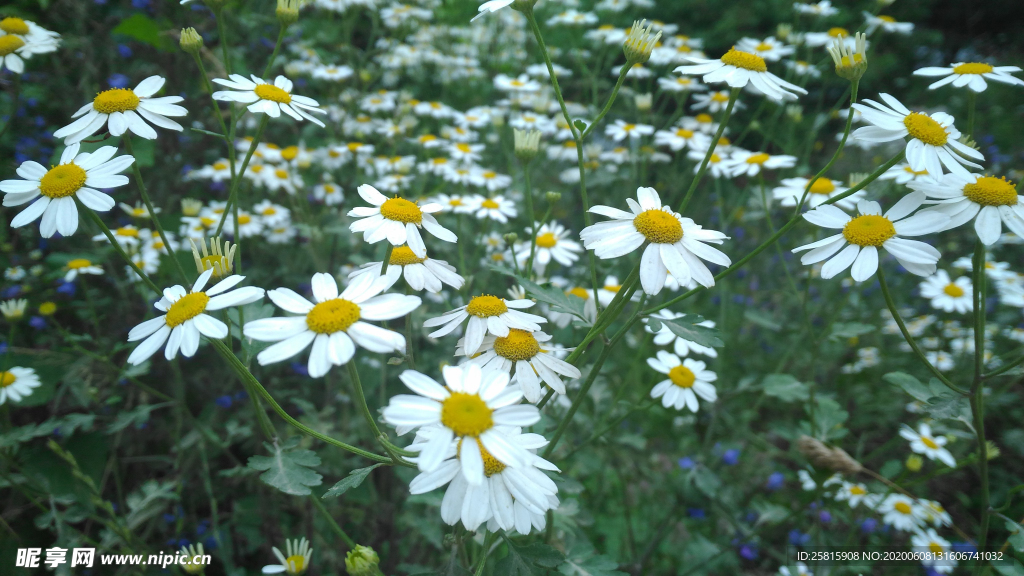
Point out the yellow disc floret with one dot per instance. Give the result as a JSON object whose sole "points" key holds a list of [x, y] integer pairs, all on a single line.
{"points": [[296, 564], [682, 376], [870, 230], [744, 60], [78, 264], [518, 345], [837, 32], [489, 204], [186, 308], [759, 158], [272, 93], [929, 442], [486, 306], [547, 240], [902, 507], [492, 465], [823, 186], [659, 226], [401, 210], [925, 129], [6, 379], [466, 414], [115, 100], [579, 293], [953, 290], [992, 191], [972, 68], [62, 181], [10, 43], [403, 256], [332, 316], [13, 25]]}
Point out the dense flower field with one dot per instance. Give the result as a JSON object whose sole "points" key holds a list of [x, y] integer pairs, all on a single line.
{"points": [[578, 287]]}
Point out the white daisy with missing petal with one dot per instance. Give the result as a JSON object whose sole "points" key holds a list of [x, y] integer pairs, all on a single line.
{"points": [[862, 235], [270, 99], [990, 201], [687, 379], [76, 176], [397, 220], [124, 109], [522, 351], [471, 408], [676, 244], [334, 325], [185, 317], [486, 313]]}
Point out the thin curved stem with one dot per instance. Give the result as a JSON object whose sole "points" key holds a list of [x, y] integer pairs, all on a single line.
{"points": [[978, 393], [277, 50], [232, 195], [733, 95], [113, 242]]}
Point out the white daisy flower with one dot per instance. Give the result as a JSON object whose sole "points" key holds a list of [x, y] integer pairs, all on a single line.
{"points": [[886, 23], [456, 203], [822, 8], [490, 7], [472, 407], [903, 173], [770, 49], [990, 201], [329, 193], [487, 314], [621, 130], [746, 163], [680, 345], [971, 75], [737, 69], [679, 138], [420, 273], [676, 244], [948, 295], [297, 560], [523, 83], [901, 512], [494, 181], [22, 44], [935, 513], [185, 317], [680, 84], [930, 541], [852, 494], [862, 235], [718, 166], [271, 214], [526, 353], [933, 139], [76, 176], [496, 208], [17, 383], [714, 102], [78, 266], [124, 109], [397, 220], [334, 325], [792, 191], [270, 99], [924, 442], [800, 569], [553, 243], [686, 380], [818, 39]]}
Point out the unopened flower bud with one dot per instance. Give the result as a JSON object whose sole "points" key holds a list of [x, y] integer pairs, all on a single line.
{"points": [[914, 463], [288, 11], [190, 41], [511, 238], [783, 31], [644, 102], [527, 144], [362, 561], [553, 197], [850, 64], [190, 207], [640, 42]]}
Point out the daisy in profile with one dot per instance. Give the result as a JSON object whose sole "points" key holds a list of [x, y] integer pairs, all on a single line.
{"points": [[863, 235], [948, 295], [792, 191], [991, 202], [473, 407], [261, 96], [186, 317], [420, 273], [397, 220], [901, 512], [124, 109], [487, 314], [77, 175], [770, 49], [508, 499], [78, 266], [886, 24], [17, 383], [297, 560], [687, 379], [851, 493], [621, 130], [676, 244], [738, 69], [497, 208], [490, 7], [903, 173], [553, 243], [746, 163], [971, 75], [529, 356], [820, 9], [334, 325], [924, 442], [680, 345]]}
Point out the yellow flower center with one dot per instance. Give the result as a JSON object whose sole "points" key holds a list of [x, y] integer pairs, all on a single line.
{"points": [[296, 564], [579, 293], [682, 376], [401, 210], [9, 44], [929, 442], [272, 93], [953, 290], [836, 32], [486, 306], [6, 379], [547, 240], [868, 230], [857, 491], [127, 231], [282, 174], [269, 211], [991, 191], [78, 264], [846, 63], [888, 19], [715, 158], [744, 60], [759, 158], [936, 548], [489, 204], [115, 100], [612, 288], [972, 68], [186, 308], [332, 316], [403, 256], [823, 186], [290, 153], [720, 97], [466, 414], [62, 181], [910, 170], [217, 264], [923, 128], [704, 118], [489, 175], [659, 226], [518, 345], [684, 133], [763, 46], [244, 219], [902, 507], [13, 25]]}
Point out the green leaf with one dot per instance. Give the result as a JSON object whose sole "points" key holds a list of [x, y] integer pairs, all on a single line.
{"points": [[830, 416], [1014, 569], [452, 567], [891, 468], [762, 319], [66, 426], [1016, 538], [768, 513], [844, 330], [144, 29], [786, 388], [686, 327], [354, 479], [150, 500], [554, 297], [582, 560], [288, 468], [134, 418], [947, 406], [530, 560], [910, 385], [705, 480], [580, 125]]}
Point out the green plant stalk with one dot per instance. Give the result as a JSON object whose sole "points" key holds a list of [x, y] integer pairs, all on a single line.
{"points": [[842, 144], [1004, 368], [533, 222], [489, 539], [611, 99], [113, 242], [978, 393], [233, 194], [330, 521], [217, 113], [277, 50], [218, 15], [972, 105], [733, 95], [357, 388], [387, 257]]}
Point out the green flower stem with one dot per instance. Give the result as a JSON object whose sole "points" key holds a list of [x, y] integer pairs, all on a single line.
{"points": [[910, 339], [218, 15], [782, 231], [533, 221], [842, 144], [357, 388], [149, 206], [330, 522], [611, 100], [638, 408], [489, 539], [978, 391], [232, 195], [277, 50], [217, 113], [733, 95], [972, 105], [387, 257], [113, 242], [15, 98], [1004, 368]]}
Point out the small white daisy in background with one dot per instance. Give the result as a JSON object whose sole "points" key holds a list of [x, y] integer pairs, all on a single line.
{"points": [[714, 102], [78, 266], [929, 542], [420, 273], [124, 109], [681, 84], [297, 560], [272, 214], [948, 295], [903, 173], [621, 130], [487, 314], [334, 325], [852, 493], [332, 72], [901, 512], [738, 69], [990, 201], [472, 407], [971, 75], [680, 345], [396, 220], [886, 24], [770, 49], [185, 317], [677, 244], [497, 208], [17, 383], [924, 442], [942, 360], [687, 379], [934, 141], [553, 243], [800, 569], [528, 356], [935, 513], [271, 99], [76, 176], [20, 40], [862, 235], [746, 163], [821, 9], [792, 191], [803, 68], [817, 39], [138, 211], [679, 138], [523, 83]]}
